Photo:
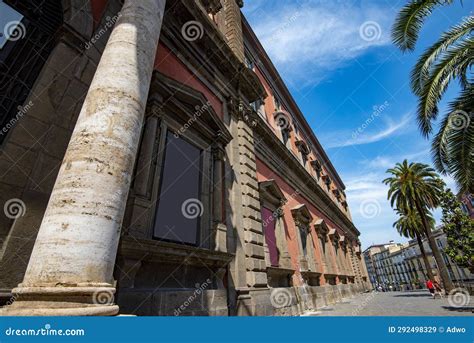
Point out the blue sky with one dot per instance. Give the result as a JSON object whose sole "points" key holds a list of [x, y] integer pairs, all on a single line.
{"points": [[352, 84]]}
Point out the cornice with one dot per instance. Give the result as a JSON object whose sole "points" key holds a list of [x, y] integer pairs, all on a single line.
{"points": [[210, 53]]}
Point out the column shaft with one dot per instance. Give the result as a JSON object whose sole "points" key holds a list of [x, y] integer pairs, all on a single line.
{"points": [[74, 255]]}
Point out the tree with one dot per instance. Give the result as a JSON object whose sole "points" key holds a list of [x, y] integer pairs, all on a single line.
{"points": [[417, 187], [447, 60], [459, 229], [409, 225]]}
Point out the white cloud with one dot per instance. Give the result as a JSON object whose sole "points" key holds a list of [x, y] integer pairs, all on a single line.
{"points": [[315, 36], [390, 130]]}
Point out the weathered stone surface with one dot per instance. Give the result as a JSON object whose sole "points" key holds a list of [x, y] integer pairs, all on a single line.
{"points": [[78, 238]]}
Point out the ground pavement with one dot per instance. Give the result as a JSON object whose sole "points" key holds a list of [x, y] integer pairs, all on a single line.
{"points": [[414, 303]]}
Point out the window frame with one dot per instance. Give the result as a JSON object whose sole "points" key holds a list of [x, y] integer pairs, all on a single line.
{"points": [[167, 124], [190, 114]]}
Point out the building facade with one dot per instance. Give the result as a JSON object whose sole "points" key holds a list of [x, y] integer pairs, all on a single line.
{"points": [[467, 204], [400, 266], [154, 163]]}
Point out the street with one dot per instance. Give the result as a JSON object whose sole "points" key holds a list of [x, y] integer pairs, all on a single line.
{"points": [[415, 303]]}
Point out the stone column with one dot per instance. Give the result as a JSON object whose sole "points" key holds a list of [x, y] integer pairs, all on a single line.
{"points": [[71, 266]]}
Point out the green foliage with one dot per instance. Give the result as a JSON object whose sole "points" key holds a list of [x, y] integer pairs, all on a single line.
{"points": [[409, 224], [449, 59], [459, 229], [416, 187], [413, 185]]}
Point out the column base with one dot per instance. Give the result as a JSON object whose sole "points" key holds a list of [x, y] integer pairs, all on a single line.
{"points": [[62, 301]]}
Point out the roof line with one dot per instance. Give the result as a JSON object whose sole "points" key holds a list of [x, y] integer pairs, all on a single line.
{"points": [[295, 108]]}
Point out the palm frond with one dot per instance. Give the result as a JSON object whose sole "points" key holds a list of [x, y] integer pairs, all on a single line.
{"points": [[409, 21], [455, 61], [422, 69]]}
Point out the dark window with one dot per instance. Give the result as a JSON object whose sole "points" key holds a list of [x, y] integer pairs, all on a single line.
{"points": [[270, 236], [304, 237], [323, 245], [179, 206], [277, 104], [249, 63], [304, 158], [285, 135]]}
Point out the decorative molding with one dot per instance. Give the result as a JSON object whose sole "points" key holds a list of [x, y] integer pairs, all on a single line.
{"points": [[302, 147], [270, 192], [301, 215], [212, 6], [190, 105], [210, 54], [272, 151]]}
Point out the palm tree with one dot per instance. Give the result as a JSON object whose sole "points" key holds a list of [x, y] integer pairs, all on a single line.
{"points": [[409, 225], [417, 187], [447, 60]]}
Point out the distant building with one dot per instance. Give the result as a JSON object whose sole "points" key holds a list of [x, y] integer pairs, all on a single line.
{"points": [[372, 257], [401, 266], [467, 204]]}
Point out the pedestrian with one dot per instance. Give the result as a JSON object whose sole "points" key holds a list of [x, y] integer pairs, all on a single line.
{"points": [[438, 289], [430, 286]]}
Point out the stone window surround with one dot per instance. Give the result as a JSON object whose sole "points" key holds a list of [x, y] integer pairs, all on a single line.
{"points": [[286, 128], [273, 198], [322, 231], [206, 131], [327, 181], [318, 168], [302, 218], [304, 151], [335, 239]]}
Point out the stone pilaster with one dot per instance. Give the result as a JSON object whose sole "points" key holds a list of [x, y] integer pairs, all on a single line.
{"points": [[252, 221], [71, 266], [233, 27]]}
